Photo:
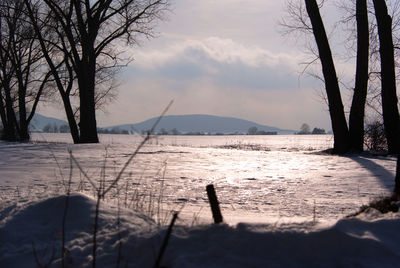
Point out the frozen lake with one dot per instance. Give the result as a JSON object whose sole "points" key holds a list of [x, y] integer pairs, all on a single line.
{"points": [[257, 178]]}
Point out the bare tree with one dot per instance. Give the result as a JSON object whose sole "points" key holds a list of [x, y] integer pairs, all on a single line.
{"points": [[305, 129], [6, 78], [357, 111], [23, 77], [307, 19], [90, 35], [391, 118], [336, 110]]}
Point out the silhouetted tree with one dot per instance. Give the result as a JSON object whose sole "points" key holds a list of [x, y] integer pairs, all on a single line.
{"points": [[163, 131], [252, 131], [64, 129], [318, 131], [298, 22], [357, 111], [23, 77], [8, 117], [89, 35], [50, 128], [336, 111], [375, 138], [305, 129], [175, 132], [391, 118]]}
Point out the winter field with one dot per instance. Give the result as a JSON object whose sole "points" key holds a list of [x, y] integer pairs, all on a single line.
{"points": [[283, 201]]}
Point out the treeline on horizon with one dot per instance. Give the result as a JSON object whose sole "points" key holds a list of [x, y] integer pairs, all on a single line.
{"points": [[53, 128], [304, 130]]}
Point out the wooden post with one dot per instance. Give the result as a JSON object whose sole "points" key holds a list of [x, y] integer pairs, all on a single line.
{"points": [[212, 198]]}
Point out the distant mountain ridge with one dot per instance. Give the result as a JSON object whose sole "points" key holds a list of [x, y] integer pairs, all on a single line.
{"points": [[199, 123], [39, 122], [192, 123]]}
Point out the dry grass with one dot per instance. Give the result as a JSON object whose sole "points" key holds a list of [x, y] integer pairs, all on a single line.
{"points": [[383, 205]]}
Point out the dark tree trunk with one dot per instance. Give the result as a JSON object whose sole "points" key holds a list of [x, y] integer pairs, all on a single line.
{"points": [[70, 117], [397, 179], [86, 81], [357, 111], [10, 131], [87, 124], [23, 124], [338, 119], [391, 118], [3, 115]]}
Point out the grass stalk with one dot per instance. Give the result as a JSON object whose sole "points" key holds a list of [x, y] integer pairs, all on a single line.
{"points": [[166, 240], [119, 232], [64, 219], [95, 227]]}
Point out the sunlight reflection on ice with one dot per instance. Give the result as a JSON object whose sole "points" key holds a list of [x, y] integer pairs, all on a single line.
{"points": [[290, 180]]}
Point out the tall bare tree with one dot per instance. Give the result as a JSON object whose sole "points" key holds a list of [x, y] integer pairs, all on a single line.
{"points": [[299, 21], [23, 76], [91, 36], [390, 109], [336, 110], [357, 110], [7, 73]]}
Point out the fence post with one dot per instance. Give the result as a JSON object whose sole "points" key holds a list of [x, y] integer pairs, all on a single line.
{"points": [[212, 198]]}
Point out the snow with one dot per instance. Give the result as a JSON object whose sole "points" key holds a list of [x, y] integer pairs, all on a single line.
{"points": [[283, 203]]}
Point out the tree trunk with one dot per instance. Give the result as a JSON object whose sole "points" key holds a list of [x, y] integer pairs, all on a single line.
{"points": [[87, 125], [6, 128], [397, 179], [357, 111], [338, 119], [11, 130], [23, 124], [70, 117], [3, 115], [391, 118]]}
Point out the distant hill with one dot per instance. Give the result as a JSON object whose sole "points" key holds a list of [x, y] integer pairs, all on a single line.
{"points": [[195, 123], [198, 123], [39, 122]]}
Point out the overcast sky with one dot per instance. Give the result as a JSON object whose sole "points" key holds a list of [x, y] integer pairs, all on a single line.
{"points": [[218, 57]]}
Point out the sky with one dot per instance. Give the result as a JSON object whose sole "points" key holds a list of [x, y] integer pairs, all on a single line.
{"points": [[217, 57]]}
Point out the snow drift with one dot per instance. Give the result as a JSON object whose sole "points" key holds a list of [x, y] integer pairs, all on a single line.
{"points": [[369, 240]]}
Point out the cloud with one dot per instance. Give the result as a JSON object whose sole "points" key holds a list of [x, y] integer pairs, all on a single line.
{"points": [[215, 48], [224, 61]]}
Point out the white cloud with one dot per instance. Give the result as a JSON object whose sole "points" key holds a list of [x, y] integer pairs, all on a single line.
{"points": [[223, 61], [218, 49]]}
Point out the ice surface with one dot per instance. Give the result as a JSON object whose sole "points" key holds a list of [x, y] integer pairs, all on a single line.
{"points": [[283, 201], [285, 179]]}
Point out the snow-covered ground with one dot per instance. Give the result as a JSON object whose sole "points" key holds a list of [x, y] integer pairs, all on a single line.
{"points": [[282, 200]]}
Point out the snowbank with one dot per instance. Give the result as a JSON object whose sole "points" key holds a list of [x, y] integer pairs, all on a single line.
{"points": [[369, 240]]}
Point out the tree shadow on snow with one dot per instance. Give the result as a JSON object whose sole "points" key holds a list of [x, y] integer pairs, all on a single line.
{"points": [[380, 172]]}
